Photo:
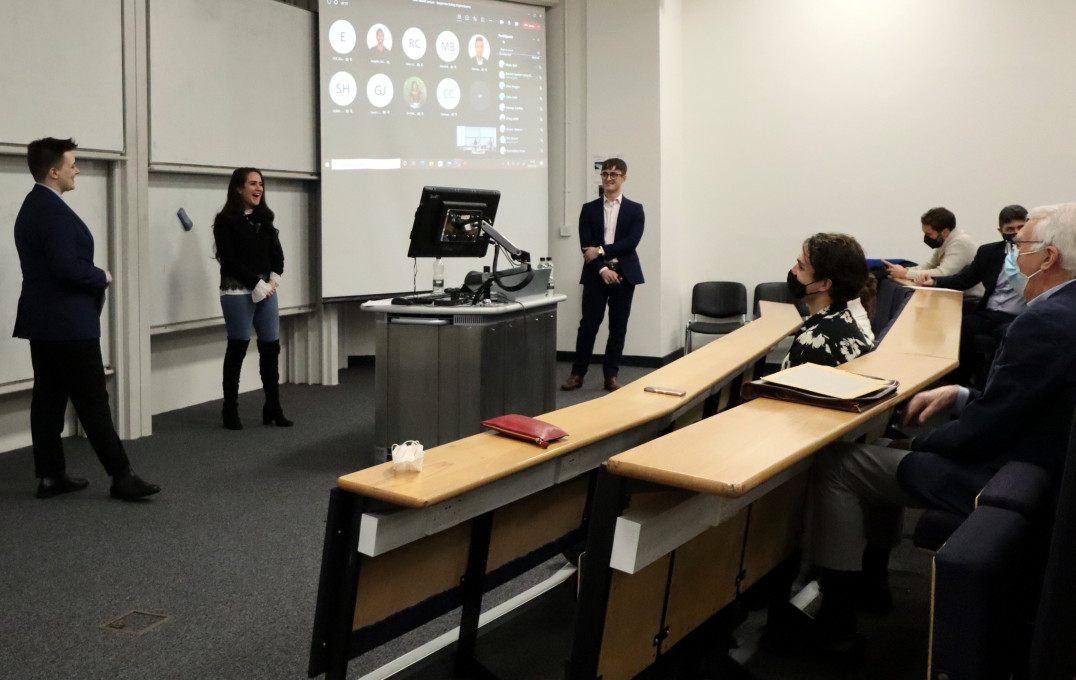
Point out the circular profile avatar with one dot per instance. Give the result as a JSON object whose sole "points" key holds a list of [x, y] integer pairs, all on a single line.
{"points": [[448, 46], [378, 38], [448, 94], [480, 95], [342, 88], [478, 49], [342, 36], [379, 90], [414, 43], [415, 90]]}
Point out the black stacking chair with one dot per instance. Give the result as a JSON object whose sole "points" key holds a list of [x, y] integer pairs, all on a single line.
{"points": [[724, 301], [777, 291]]}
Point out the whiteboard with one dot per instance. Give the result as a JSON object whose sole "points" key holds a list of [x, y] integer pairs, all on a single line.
{"points": [[90, 201], [232, 83], [184, 278], [61, 72]]}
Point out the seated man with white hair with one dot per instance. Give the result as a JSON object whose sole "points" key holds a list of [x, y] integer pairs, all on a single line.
{"points": [[1023, 413]]}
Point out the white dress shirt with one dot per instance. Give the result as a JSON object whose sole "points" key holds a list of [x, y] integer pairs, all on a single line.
{"points": [[612, 212]]}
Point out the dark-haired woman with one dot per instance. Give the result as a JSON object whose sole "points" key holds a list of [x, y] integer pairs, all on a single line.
{"points": [[830, 271], [251, 262]]}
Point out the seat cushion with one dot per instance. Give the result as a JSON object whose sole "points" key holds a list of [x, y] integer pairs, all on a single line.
{"points": [[713, 327], [934, 528]]}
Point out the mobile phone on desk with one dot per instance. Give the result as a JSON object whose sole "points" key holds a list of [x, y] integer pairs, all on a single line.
{"points": [[665, 390]]}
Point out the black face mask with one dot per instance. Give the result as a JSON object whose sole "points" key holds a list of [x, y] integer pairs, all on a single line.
{"points": [[1009, 237], [932, 242], [796, 289]]}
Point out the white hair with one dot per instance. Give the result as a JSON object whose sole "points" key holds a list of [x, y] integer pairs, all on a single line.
{"points": [[1056, 227]]}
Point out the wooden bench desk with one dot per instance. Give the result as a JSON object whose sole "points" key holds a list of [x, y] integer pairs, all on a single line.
{"points": [[728, 491], [401, 549]]}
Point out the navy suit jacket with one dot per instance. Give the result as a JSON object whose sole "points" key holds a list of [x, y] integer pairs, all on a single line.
{"points": [[1025, 409], [62, 291], [629, 231], [984, 269]]}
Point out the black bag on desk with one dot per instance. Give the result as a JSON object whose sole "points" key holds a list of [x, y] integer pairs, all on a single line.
{"points": [[762, 388]]}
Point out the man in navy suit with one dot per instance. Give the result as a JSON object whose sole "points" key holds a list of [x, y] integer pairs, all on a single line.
{"points": [[986, 319], [609, 232], [1023, 413], [60, 314]]}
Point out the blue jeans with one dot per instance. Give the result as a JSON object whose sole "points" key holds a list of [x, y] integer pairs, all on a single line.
{"points": [[241, 312]]}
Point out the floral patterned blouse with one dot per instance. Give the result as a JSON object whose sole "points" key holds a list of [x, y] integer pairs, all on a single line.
{"points": [[829, 338]]}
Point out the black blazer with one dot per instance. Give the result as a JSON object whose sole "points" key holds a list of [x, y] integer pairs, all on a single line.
{"points": [[62, 291], [1025, 410], [629, 231], [984, 269]]}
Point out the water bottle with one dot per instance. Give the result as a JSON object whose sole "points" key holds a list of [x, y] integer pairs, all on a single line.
{"points": [[550, 287], [438, 276]]}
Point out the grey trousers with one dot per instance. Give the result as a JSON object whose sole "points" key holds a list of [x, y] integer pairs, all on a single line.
{"points": [[855, 500]]}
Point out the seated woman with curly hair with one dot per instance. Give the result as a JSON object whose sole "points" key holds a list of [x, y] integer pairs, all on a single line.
{"points": [[830, 276]]}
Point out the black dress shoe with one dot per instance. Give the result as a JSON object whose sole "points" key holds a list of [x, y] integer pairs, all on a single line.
{"points": [[54, 486], [131, 487]]}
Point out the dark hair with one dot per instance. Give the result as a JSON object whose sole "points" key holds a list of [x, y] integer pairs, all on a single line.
{"points": [[1010, 213], [939, 219], [234, 209], [42, 154], [233, 206], [616, 164], [839, 258]]}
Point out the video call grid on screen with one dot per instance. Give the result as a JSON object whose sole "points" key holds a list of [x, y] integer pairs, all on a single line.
{"points": [[431, 83]]}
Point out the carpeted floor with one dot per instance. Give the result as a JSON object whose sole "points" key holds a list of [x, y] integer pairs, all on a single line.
{"points": [[230, 551]]}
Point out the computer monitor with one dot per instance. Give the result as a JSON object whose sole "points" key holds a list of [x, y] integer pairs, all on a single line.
{"points": [[448, 222]]}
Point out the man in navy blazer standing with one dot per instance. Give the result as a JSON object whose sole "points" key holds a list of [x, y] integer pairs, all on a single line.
{"points": [[60, 314], [609, 232]]}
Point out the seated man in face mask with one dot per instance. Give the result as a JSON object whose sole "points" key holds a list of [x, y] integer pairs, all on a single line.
{"points": [[952, 250], [1023, 413], [985, 322]]}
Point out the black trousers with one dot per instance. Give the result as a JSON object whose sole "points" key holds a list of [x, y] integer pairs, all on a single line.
{"points": [[71, 369], [596, 296]]}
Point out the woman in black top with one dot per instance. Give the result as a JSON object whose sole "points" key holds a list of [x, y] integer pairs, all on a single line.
{"points": [[830, 270], [251, 262]]}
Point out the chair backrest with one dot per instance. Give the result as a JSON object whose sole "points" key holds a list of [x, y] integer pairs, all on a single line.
{"points": [[1053, 654], [719, 299], [777, 291]]}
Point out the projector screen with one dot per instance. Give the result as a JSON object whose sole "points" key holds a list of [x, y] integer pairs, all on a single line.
{"points": [[426, 92]]}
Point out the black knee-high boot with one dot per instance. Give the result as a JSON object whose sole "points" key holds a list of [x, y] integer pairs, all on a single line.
{"points": [[233, 366], [268, 363]]}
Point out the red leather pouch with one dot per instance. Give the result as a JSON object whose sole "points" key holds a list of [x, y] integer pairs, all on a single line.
{"points": [[524, 427]]}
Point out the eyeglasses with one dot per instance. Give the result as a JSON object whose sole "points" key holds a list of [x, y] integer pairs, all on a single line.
{"points": [[612, 175], [1013, 246]]}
